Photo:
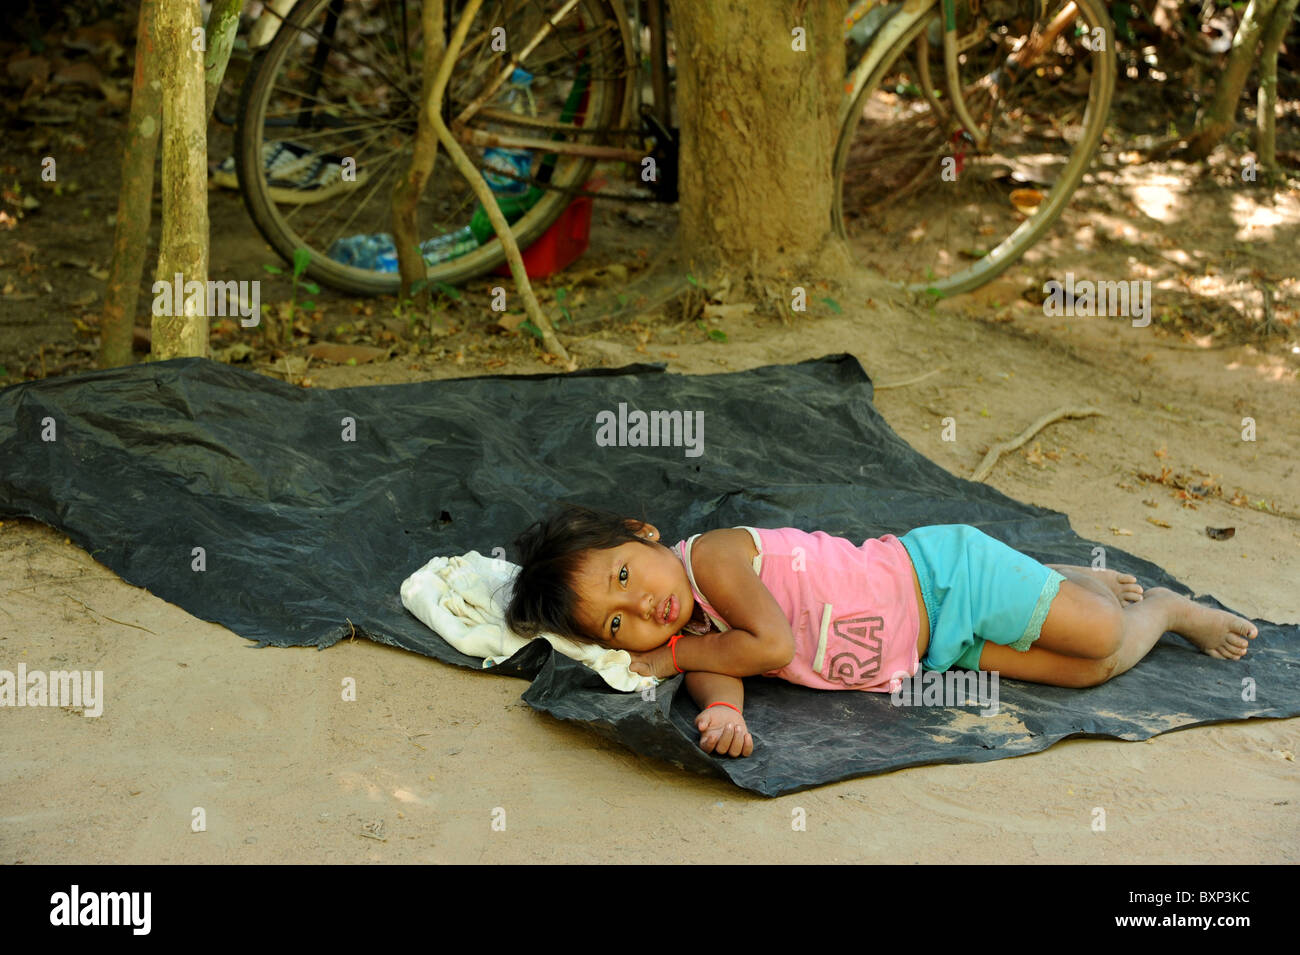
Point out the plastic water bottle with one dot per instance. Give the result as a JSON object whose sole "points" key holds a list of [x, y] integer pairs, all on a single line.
{"points": [[518, 99], [449, 246], [377, 252], [374, 252]]}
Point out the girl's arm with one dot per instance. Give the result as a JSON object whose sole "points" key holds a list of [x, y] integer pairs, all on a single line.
{"points": [[722, 729], [734, 653], [706, 688]]}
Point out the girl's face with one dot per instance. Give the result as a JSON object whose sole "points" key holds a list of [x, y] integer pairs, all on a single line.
{"points": [[634, 597]]}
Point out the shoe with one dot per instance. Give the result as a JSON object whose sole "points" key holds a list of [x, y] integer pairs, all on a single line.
{"points": [[295, 174], [278, 158], [321, 179]]}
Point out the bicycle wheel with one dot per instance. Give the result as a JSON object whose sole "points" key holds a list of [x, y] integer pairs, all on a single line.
{"points": [[916, 198], [341, 81]]}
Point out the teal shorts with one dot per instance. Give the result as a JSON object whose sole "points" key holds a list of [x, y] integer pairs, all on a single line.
{"points": [[976, 590]]}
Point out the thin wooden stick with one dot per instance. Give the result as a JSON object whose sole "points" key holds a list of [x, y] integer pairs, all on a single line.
{"points": [[909, 381], [998, 450], [433, 110], [107, 617]]}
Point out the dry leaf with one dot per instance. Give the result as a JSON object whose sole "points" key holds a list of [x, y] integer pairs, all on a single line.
{"points": [[344, 354], [1026, 200], [1157, 522], [1220, 533], [29, 69], [1120, 531], [82, 73], [118, 99], [739, 310]]}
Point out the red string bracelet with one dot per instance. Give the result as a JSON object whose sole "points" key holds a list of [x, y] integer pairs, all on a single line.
{"points": [[721, 703], [672, 647]]}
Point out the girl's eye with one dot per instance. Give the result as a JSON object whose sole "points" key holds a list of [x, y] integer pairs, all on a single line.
{"points": [[622, 579]]}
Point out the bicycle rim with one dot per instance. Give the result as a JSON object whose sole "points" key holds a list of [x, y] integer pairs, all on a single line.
{"points": [[916, 200], [341, 81]]}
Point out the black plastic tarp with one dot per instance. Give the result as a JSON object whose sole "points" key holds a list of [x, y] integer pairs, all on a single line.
{"points": [[312, 506]]}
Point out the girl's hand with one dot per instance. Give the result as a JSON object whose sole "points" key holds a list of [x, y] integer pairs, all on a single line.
{"points": [[657, 662], [723, 731]]}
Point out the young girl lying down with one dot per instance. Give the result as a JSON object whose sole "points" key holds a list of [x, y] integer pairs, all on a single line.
{"points": [[820, 611]]}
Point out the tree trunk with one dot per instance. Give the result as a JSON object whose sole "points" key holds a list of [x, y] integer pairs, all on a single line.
{"points": [[223, 22], [1265, 122], [1218, 119], [409, 188], [758, 102], [135, 199], [182, 329]]}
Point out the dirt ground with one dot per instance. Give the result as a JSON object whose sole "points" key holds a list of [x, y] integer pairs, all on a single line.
{"points": [[286, 772], [418, 768]]}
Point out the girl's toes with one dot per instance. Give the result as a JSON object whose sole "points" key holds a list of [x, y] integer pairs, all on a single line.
{"points": [[1126, 578]]}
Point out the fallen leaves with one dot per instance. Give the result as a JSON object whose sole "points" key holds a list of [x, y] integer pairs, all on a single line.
{"points": [[233, 353], [346, 354], [1189, 489], [1220, 533], [1026, 201], [1036, 455]]}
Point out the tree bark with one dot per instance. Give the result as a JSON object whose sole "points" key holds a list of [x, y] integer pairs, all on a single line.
{"points": [[1222, 112], [183, 330], [135, 198], [1265, 118], [223, 22], [758, 131], [409, 188]]}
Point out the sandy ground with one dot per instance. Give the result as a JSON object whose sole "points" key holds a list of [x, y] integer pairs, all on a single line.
{"points": [[418, 768]]}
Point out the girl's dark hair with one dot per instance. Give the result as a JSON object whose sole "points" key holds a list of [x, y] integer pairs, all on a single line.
{"points": [[551, 551]]}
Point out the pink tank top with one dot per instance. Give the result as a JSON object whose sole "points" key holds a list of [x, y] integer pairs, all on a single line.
{"points": [[852, 609]]}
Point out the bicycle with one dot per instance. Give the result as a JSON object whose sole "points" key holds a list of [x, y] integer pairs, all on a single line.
{"points": [[341, 81], [944, 193]]}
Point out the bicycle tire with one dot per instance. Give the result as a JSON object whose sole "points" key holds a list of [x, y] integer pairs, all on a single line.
{"points": [[606, 99], [891, 249]]}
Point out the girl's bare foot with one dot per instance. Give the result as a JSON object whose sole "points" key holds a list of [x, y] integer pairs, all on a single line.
{"points": [[1218, 633], [1124, 586]]}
